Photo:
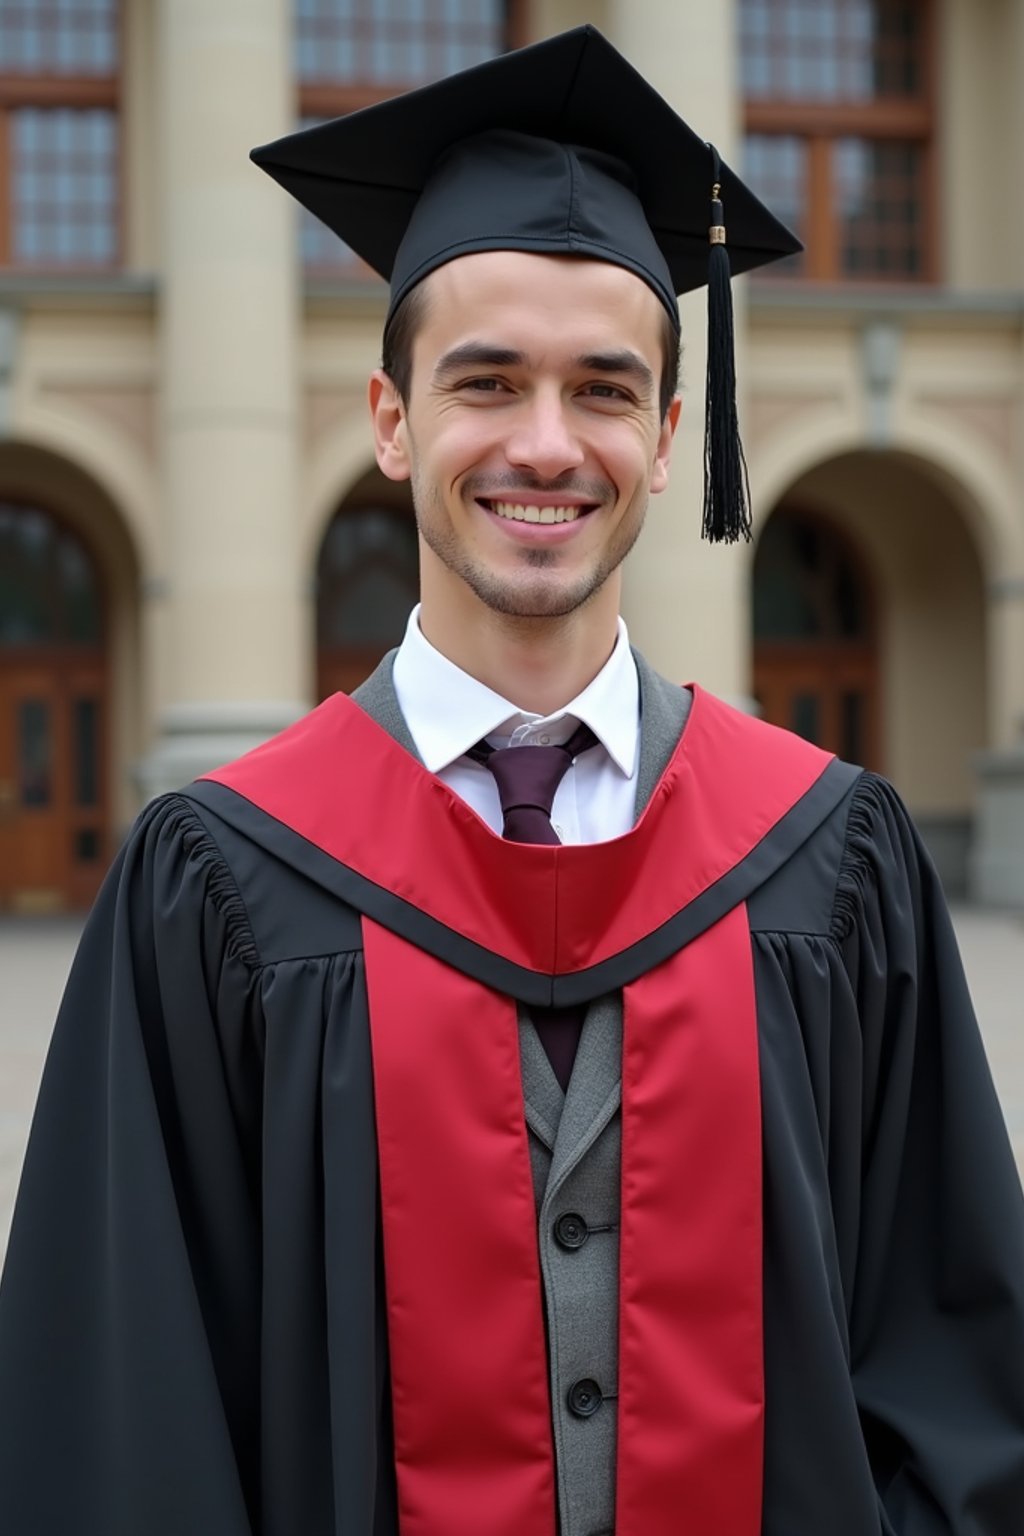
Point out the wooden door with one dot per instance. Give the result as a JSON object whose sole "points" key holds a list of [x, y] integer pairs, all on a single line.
{"points": [[54, 721], [816, 666], [52, 782], [828, 698]]}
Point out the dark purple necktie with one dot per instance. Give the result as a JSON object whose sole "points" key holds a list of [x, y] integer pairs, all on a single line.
{"points": [[527, 778]]}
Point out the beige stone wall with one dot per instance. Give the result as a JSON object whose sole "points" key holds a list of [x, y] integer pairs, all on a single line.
{"points": [[550, 16], [684, 600], [339, 351], [931, 617], [85, 389], [140, 169], [82, 439], [205, 434], [981, 142], [227, 341], [952, 408]]}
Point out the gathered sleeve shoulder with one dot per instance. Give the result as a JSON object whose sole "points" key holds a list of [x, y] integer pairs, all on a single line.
{"points": [[937, 1312], [129, 1310]]}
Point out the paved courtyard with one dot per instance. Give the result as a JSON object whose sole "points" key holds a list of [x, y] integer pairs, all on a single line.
{"points": [[35, 955]]}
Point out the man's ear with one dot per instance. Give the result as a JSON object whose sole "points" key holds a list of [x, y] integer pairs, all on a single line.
{"points": [[390, 432], [659, 474]]}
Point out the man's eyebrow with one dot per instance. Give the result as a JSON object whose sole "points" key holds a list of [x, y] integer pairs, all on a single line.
{"points": [[477, 354], [484, 354], [619, 362]]}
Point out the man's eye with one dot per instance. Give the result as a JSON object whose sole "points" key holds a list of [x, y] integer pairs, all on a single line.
{"points": [[606, 391], [487, 386]]}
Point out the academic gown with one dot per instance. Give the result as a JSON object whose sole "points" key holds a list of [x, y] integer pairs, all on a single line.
{"points": [[273, 1266]]}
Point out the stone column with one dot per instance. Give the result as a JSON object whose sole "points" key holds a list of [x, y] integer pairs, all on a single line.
{"points": [[1013, 20], [685, 602], [996, 875], [235, 667], [550, 16], [996, 872], [997, 855]]}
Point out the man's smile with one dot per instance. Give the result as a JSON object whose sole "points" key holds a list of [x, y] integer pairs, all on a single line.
{"points": [[541, 518], [534, 522]]}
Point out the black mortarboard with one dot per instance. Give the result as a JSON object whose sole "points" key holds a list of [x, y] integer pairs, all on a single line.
{"points": [[561, 147]]}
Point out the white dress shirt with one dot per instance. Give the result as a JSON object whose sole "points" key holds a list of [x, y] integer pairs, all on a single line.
{"points": [[447, 712]]}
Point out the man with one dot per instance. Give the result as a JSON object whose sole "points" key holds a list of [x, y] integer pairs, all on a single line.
{"points": [[637, 1169]]}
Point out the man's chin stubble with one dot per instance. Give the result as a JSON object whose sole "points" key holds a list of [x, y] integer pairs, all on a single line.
{"points": [[525, 599], [531, 601], [530, 597]]}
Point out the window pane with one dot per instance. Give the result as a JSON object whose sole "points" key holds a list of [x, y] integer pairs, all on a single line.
{"points": [[852, 744], [79, 595], [27, 610], [783, 598], [49, 594], [367, 578], [805, 716], [879, 193], [806, 586], [59, 37], [775, 166], [831, 50], [394, 42], [64, 187], [85, 727], [85, 845], [35, 752]]}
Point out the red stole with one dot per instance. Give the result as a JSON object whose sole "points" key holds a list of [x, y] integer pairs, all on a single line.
{"points": [[465, 1305]]}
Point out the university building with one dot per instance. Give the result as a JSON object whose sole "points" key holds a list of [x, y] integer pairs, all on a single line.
{"points": [[195, 544]]}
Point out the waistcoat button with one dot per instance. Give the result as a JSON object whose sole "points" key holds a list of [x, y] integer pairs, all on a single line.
{"points": [[584, 1398], [571, 1231]]}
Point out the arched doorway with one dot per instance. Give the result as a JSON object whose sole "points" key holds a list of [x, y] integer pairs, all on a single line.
{"points": [[367, 581], [54, 696], [815, 636]]}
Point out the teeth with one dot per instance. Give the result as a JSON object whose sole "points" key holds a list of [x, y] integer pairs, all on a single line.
{"points": [[532, 514]]}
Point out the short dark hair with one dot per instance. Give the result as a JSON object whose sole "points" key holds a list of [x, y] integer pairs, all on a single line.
{"points": [[400, 333], [671, 350]]}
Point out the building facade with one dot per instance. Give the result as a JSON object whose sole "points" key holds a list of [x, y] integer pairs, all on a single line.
{"points": [[195, 544]]}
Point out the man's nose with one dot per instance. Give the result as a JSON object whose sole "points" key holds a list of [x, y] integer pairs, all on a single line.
{"points": [[542, 437]]}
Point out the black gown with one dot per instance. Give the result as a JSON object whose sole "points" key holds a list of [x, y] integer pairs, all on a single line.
{"points": [[193, 1335]]}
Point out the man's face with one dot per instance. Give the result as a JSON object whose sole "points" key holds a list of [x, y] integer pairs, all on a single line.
{"points": [[532, 434]]}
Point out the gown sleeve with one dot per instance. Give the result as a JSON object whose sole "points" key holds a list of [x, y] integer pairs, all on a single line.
{"points": [[937, 1314], [129, 1309]]}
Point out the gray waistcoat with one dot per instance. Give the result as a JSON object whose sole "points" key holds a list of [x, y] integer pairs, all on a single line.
{"points": [[575, 1143]]}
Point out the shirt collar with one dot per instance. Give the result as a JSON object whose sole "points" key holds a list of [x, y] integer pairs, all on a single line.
{"points": [[447, 710]]}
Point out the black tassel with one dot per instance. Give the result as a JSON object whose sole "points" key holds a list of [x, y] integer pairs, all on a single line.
{"points": [[726, 486]]}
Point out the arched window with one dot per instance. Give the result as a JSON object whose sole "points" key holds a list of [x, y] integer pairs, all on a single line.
{"points": [[815, 652], [53, 698], [807, 585], [48, 590], [367, 582]]}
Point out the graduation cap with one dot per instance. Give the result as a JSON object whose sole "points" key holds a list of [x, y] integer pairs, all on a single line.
{"points": [[560, 147]]}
